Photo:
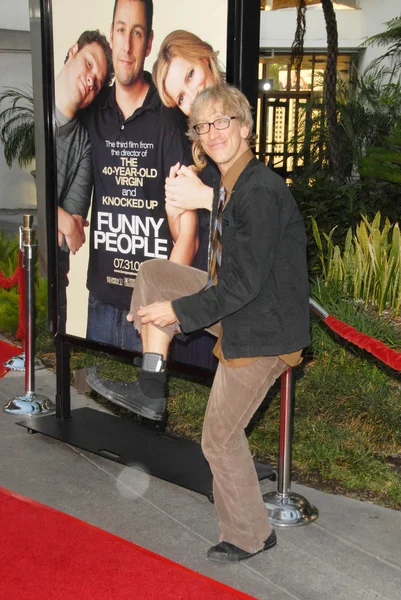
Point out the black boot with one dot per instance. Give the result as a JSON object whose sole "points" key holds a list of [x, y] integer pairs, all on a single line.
{"points": [[145, 397]]}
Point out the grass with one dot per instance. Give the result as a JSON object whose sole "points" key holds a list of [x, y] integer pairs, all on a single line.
{"points": [[347, 425], [350, 426]]}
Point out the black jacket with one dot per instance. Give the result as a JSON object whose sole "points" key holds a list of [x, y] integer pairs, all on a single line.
{"points": [[262, 294]]}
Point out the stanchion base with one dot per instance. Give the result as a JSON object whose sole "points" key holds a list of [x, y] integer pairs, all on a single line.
{"points": [[30, 405], [17, 363], [289, 511], [159, 453]]}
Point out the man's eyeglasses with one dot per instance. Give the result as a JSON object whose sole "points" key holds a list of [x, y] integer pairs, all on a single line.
{"points": [[222, 123]]}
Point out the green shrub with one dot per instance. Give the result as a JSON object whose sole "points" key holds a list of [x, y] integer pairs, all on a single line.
{"points": [[368, 268], [369, 121], [384, 163], [9, 299], [8, 253]]}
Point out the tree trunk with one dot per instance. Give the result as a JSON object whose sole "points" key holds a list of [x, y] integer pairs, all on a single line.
{"points": [[331, 87]]}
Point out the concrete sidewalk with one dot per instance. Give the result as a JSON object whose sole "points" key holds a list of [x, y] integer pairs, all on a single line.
{"points": [[352, 552]]}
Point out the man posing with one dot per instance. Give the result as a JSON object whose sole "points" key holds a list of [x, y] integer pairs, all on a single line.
{"points": [[135, 140], [255, 299], [87, 68]]}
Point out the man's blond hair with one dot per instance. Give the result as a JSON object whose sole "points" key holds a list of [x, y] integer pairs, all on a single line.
{"points": [[230, 102]]}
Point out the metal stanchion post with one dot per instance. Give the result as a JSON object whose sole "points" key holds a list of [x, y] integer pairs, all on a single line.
{"points": [[17, 363], [29, 403], [286, 508]]}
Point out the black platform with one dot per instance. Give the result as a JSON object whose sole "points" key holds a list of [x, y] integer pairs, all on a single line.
{"points": [[161, 454]]}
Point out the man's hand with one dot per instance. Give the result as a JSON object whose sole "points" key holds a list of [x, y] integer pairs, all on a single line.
{"points": [[158, 313], [185, 191], [72, 227], [77, 236]]}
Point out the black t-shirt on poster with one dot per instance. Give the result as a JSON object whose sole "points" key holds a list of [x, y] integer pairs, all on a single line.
{"points": [[131, 160]]}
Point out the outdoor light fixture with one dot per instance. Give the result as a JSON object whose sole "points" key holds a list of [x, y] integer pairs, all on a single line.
{"points": [[266, 85], [278, 4]]}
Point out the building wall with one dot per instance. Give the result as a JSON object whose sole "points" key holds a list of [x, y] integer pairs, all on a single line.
{"points": [[375, 14], [17, 186], [277, 29], [354, 26], [14, 14]]}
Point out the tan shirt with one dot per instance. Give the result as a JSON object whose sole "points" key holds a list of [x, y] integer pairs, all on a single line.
{"points": [[230, 179]]}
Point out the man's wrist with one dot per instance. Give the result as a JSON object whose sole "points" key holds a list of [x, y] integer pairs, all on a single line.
{"points": [[208, 197], [66, 223]]}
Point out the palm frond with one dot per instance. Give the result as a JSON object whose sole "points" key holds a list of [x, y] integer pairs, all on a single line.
{"points": [[17, 131], [390, 38]]}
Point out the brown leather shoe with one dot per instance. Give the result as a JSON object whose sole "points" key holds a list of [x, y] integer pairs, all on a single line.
{"points": [[228, 553]]}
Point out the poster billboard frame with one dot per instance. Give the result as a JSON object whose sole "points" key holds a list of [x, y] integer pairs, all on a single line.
{"points": [[242, 51], [96, 431]]}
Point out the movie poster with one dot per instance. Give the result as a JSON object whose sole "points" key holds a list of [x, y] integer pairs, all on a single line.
{"points": [[126, 159]]}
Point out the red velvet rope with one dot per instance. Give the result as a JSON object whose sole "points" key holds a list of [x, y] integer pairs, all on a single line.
{"points": [[9, 282], [390, 357], [6, 283]]}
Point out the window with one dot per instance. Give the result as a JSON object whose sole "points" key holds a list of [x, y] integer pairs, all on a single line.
{"points": [[285, 109], [277, 4]]}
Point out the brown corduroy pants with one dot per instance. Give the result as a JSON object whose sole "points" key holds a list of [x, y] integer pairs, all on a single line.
{"points": [[236, 394]]}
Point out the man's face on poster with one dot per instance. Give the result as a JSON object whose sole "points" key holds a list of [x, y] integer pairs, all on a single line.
{"points": [[129, 41], [86, 72]]}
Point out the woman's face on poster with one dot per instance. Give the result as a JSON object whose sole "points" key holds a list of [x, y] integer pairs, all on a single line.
{"points": [[186, 79]]}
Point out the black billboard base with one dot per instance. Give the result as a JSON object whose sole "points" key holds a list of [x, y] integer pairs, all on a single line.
{"points": [[163, 455]]}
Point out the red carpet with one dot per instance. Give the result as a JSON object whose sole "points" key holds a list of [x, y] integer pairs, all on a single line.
{"points": [[47, 555], [7, 351]]}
